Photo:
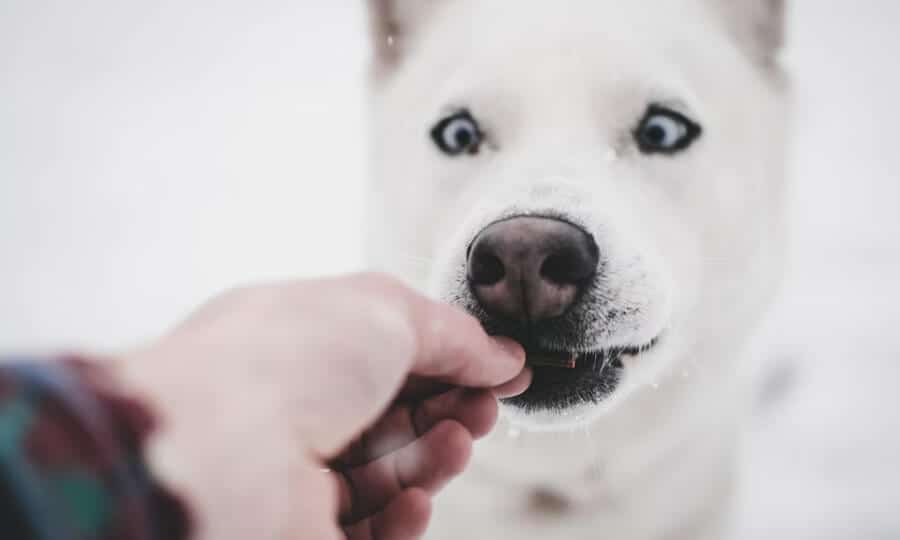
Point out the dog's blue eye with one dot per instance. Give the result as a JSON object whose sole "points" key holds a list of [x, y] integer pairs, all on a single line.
{"points": [[664, 131], [457, 134]]}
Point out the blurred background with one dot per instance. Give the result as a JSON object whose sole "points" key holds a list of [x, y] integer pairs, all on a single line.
{"points": [[155, 153]]}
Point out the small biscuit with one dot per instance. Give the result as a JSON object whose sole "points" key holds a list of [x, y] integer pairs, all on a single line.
{"points": [[557, 360]]}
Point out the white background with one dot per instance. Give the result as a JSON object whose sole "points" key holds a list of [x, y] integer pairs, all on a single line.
{"points": [[153, 153]]}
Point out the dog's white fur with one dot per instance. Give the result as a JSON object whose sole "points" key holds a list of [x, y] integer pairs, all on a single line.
{"points": [[692, 241]]}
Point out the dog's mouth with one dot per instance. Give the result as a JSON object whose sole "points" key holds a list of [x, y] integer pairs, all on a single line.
{"points": [[566, 379]]}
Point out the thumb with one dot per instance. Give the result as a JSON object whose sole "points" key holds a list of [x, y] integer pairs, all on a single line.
{"points": [[397, 332]]}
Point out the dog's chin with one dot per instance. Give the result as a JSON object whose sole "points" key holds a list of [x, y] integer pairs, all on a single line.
{"points": [[567, 393]]}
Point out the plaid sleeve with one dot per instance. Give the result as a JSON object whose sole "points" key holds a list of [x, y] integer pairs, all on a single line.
{"points": [[71, 464]]}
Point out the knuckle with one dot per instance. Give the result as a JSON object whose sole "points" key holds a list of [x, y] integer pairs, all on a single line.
{"points": [[242, 295], [222, 304], [380, 281], [392, 329], [232, 296], [385, 312]]}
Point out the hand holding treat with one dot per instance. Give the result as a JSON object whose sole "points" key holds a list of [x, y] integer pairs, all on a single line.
{"points": [[343, 404]]}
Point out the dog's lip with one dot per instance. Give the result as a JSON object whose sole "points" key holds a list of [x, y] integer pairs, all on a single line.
{"points": [[591, 378], [566, 359]]}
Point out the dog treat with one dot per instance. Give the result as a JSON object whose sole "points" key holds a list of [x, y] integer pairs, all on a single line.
{"points": [[557, 360]]}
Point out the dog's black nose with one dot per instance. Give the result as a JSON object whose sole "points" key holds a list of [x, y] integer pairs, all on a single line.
{"points": [[528, 269]]}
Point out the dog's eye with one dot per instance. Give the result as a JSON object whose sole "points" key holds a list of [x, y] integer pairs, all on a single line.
{"points": [[664, 131], [457, 134]]}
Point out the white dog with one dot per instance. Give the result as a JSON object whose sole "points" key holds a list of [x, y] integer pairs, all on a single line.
{"points": [[603, 181]]}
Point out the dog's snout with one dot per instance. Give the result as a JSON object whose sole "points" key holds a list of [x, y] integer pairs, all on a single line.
{"points": [[529, 269]]}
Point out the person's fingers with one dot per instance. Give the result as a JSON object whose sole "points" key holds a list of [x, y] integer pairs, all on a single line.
{"points": [[393, 333], [476, 410], [451, 345], [516, 386], [419, 388], [428, 463], [313, 517], [405, 518]]}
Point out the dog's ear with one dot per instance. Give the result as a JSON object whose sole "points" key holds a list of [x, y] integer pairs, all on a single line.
{"points": [[393, 23], [759, 26]]}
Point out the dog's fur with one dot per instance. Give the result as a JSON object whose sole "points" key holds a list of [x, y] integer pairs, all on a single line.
{"points": [[691, 243]]}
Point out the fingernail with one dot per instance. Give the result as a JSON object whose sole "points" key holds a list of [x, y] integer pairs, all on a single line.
{"points": [[510, 347], [515, 387]]}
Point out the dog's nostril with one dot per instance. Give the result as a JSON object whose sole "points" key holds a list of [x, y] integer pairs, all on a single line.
{"points": [[486, 269], [528, 269], [568, 267]]}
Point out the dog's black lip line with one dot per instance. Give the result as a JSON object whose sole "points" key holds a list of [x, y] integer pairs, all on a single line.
{"points": [[595, 375], [612, 355]]}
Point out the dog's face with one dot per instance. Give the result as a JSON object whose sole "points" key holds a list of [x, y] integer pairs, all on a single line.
{"points": [[600, 180]]}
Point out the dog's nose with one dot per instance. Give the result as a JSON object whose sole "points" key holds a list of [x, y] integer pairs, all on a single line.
{"points": [[529, 269]]}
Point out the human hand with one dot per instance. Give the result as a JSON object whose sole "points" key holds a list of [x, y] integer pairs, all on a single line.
{"points": [[264, 387]]}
